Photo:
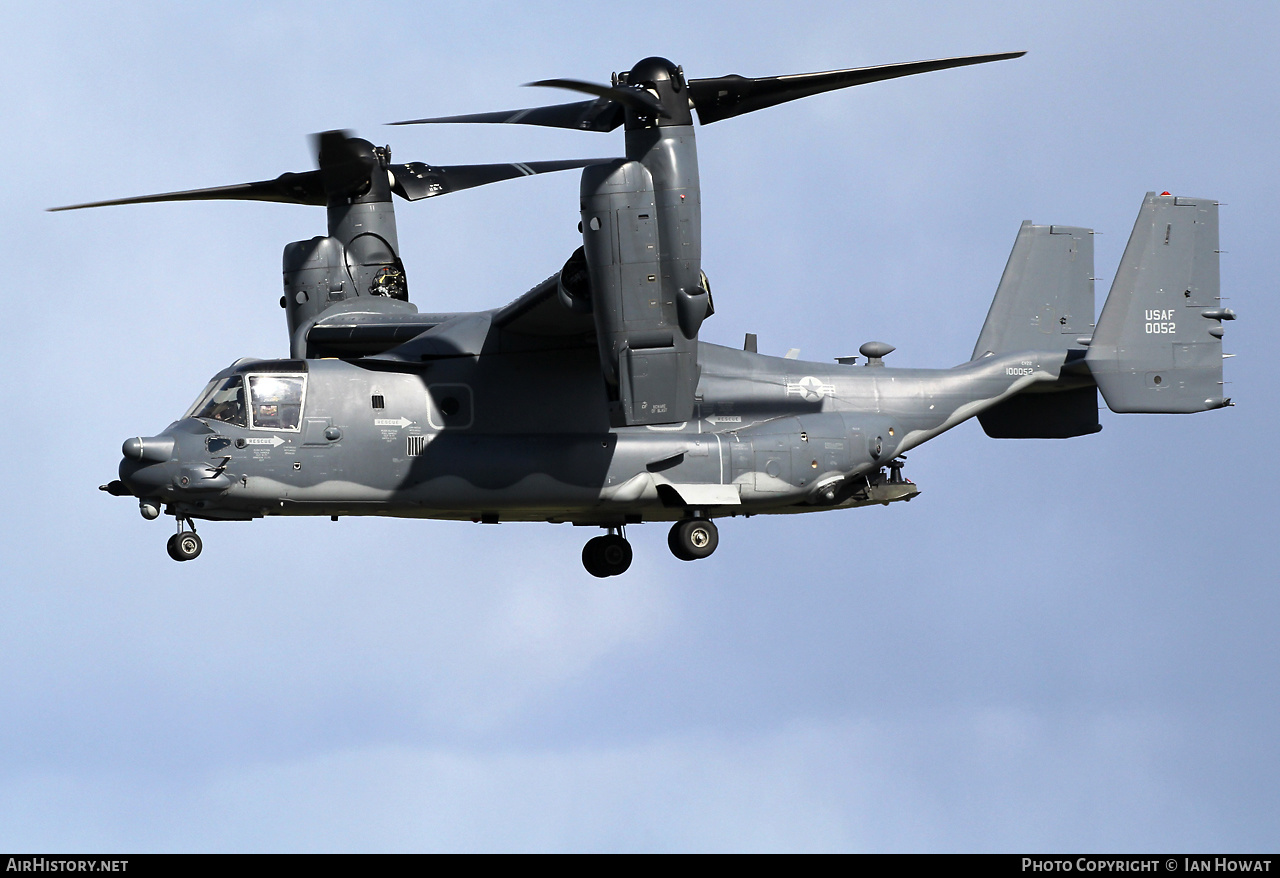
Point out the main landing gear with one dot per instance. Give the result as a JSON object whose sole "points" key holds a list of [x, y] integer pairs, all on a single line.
{"points": [[690, 540], [693, 538], [608, 555], [185, 544]]}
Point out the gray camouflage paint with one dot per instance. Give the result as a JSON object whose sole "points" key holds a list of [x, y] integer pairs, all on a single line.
{"points": [[591, 400], [504, 415], [771, 435]]}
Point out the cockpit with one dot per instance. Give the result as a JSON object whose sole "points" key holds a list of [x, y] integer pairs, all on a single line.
{"points": [[271, 401]]}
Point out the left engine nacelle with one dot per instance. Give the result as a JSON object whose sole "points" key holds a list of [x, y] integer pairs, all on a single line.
{"points": [[320, 274]]}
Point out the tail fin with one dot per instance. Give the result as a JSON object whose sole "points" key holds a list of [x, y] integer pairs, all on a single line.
{"points": [[1158, 343], [1044, 303], [1045, 298]]}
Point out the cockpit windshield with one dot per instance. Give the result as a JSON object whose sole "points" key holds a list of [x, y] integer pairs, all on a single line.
{"points": [[204, 394], [274, 401], [225, 403]]}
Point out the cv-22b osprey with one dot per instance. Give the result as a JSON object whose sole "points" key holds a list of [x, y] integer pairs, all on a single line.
{"points": [[590, 399]]}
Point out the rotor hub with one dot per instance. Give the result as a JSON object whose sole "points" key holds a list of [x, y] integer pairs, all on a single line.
{"points": [[664, 80]]}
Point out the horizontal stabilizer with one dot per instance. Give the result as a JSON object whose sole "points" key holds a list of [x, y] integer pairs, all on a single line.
{"points": [[1059, 415], [1158, 343]]}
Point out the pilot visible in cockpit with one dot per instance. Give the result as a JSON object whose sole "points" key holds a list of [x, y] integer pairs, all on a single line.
{"points": [[230, 411]]}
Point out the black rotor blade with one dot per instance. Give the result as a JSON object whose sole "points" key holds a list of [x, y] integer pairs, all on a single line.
{"points": [[726, 96], [597, 115], [305, 188], [637, 99], [416, 180]]}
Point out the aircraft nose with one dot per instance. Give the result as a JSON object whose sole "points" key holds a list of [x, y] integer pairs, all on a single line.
{"points": [[156, 449], [142, 469], [143, 479]]}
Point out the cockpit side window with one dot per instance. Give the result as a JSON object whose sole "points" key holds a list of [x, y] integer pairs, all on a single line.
{"points": [[276, 401], [225, 403]]}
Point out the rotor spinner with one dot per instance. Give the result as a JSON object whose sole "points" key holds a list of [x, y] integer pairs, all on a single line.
{"points": [[665, 81]]}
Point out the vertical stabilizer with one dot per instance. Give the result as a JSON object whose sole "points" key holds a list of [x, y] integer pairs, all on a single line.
{"points": [[1045, 304], [1158, 343], [1045, 298]]}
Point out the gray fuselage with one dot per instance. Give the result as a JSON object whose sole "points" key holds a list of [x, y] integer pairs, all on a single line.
{"points": [[525, 436]]}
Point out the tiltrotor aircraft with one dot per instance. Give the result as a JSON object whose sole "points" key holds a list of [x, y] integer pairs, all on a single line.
{"points": [[381, 409]]}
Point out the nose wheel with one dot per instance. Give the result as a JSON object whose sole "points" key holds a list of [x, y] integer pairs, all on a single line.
{"points": [[185, 544], [607, 555], [693, 539]]}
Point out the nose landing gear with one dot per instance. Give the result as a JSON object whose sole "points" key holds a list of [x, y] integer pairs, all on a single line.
{"points": [[185, 544], [607, 555], [693, 538]]}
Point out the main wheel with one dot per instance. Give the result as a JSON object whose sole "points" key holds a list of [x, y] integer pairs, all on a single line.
{"points": [[693, 538], [591, 558], [615, 554], [606, 556], [184, 546]]}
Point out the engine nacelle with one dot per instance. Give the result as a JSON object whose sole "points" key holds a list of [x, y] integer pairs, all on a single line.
{"points": [[646, 294], [321, 273]]}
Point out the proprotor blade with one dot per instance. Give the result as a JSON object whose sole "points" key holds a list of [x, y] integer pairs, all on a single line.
{"points": [[637, 99], [416, 180], [305, 188], [726, 96], [597, 115]]}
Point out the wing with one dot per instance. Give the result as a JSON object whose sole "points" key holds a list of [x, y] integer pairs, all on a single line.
{"points": [[541, 313]]}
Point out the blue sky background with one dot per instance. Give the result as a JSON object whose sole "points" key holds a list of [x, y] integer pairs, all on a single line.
{"points": [[1059, 646]]}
